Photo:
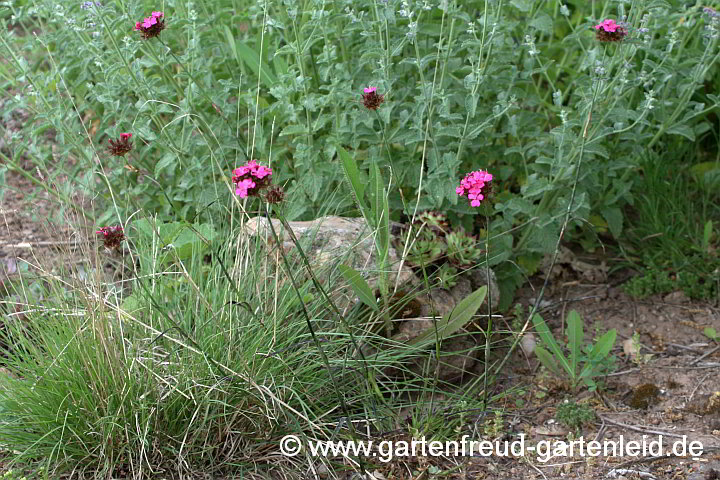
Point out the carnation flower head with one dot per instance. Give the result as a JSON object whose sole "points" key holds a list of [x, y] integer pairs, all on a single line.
{"points": [[473, 186], [112, 236], [609, 31], [275, 194], [371, 99], [151, 26], [250, 178], [121, 146]]}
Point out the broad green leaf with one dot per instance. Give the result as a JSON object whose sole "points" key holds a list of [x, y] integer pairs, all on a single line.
{"points": [[359, 285], [614, 218], [231, 42], [542, 22], [293, 130], [711, 333], [683, 130], [549, 341], [353, 176], [576, 337], [548, 360], [603, 346], [252, 60], [453, 321]]}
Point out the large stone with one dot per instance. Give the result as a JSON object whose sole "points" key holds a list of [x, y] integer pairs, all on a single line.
{"points": [[328, 239]]}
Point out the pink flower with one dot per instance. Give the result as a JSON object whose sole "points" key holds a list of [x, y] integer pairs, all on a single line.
{"points": [[242, 187], [608, 25], [263, 172], [151, 26], [473, 185], [126, 136], [609, 31], [250, 178], [369, 89]]}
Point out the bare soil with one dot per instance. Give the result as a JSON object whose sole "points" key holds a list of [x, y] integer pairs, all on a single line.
{"points": [[669, 387]]}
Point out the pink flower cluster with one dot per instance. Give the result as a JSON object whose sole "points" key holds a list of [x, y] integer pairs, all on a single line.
{"points": [[608, 25], [609, 31], [151, 26], [473, 185], [250, 178], [112, 236], [149, 21]]}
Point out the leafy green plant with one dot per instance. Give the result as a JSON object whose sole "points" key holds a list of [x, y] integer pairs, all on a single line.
{"points": [[584, 363], [654, 281], [712, 334], [574, 415]]}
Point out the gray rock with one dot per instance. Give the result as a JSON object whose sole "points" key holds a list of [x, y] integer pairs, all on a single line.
{"points": [[329, 239]]}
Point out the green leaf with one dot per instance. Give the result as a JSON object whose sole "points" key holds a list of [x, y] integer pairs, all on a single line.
{"points": [[231, 42], [453, 321], [614, 218], [543, 22], [549, 341], [359, 285], [682, 129], [293, 130], [168, 161], [707, 235], [576, 337], [548, 361], [522, 5], [252, 60], [191, 238], [353, 176], [603, 346], [711, 333]]}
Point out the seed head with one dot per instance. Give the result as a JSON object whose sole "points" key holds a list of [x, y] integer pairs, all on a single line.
{"points": [[275, 194], [371, 99], [121, 146], [112, 236]]}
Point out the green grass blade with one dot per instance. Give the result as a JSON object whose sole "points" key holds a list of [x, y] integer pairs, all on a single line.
{"points": [[548, 361], [603, 346]]}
